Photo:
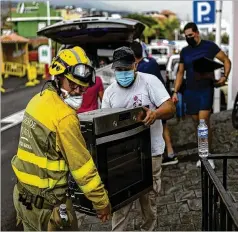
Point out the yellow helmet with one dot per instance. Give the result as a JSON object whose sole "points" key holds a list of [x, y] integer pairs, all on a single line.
{"points": [[74, 65]]}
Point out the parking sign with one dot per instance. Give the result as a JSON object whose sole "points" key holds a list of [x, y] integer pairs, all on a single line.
{"points": [[204, 12]]}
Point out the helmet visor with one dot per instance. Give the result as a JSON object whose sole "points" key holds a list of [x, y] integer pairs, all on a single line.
{"points": [[83, 72]]}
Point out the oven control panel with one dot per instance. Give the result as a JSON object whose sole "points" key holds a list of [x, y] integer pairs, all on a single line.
{"points": [[108, 120]]}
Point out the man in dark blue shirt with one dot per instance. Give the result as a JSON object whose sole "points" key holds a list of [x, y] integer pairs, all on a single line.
{"points": [[150, 66], [198, 95]]}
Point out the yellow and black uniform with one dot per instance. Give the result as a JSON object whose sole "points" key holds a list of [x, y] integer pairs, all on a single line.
{"points": [[50, 146]]}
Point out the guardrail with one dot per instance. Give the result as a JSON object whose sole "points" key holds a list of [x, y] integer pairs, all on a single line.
{"points": [[15, 69], [218, 210]]}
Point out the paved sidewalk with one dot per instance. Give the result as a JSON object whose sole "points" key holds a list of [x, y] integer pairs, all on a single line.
{"points": [[179, 204], [13, 83]]}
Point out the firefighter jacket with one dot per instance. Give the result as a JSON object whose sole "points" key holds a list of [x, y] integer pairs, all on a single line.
{"points": [[51, 145]]}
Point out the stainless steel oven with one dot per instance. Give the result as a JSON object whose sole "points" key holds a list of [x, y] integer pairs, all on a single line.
{"points": [[121, 148]]}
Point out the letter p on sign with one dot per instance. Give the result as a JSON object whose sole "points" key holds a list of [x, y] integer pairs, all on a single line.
{"points": [[204, 12]]}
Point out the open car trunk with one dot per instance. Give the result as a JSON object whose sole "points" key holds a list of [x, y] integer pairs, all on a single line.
{"points": [[98, 36], [94, 31]]}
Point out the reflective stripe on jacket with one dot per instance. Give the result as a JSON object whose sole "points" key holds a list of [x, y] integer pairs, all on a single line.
{"points": [[51, 145]]}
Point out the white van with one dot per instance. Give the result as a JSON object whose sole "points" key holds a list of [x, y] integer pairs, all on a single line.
{"points": [[160, 52]]}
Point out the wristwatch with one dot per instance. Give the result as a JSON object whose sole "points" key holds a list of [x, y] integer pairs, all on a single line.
{"points": [[175, 91]]}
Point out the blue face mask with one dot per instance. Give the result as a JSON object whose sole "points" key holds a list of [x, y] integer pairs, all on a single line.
{"points": [[125, 78]]}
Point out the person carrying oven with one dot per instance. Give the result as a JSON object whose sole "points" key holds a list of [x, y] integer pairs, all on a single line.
{"points": [[51, 145]]}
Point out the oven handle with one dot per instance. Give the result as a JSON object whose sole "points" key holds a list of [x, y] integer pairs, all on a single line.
{"points": [[121, 135]]}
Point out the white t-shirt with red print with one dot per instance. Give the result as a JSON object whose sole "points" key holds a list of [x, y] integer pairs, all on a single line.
{"points": [[147, 90]]}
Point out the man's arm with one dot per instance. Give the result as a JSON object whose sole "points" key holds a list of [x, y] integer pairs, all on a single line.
{"points": [[81, 164], [165, 108], [178, 82], [100, 95], [227, 66], [164, 112], [179, 78]]}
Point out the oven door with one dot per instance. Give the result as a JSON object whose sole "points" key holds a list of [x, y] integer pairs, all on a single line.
{"points": [[124, 163]]}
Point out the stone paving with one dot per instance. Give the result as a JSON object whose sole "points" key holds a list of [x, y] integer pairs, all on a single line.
{"points": [[179, 204]]}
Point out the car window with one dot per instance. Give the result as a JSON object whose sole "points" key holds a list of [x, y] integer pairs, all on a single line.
{"points": [[159, 51]]}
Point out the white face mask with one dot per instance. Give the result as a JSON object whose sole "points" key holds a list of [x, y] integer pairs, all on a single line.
{"points": [[73, 101]]}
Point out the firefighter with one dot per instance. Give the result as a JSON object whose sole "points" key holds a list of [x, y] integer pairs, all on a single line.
{"points": [[51, 145]]}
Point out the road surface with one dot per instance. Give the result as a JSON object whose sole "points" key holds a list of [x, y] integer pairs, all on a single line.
{"points": [[13, 104]]}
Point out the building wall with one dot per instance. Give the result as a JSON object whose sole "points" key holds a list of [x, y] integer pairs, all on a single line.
{"points": [[40, 12], [233, 54], [235, 51], [70, 15], [26, 29], [29, 29]]}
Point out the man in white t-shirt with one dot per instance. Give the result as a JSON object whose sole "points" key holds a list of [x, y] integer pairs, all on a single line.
{"points": [[134, 89]]}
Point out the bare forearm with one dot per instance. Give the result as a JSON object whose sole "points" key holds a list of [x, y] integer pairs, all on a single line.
{"points": [[100, 95], [227, 67], [166, 110], [178, 81]]}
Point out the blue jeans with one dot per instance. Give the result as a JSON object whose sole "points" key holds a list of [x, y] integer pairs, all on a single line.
{"points": [[180, 106]]}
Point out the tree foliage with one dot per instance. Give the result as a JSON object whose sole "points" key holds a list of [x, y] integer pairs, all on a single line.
{"points": [[157, 28], [212, 37], [225, 38], [147, 20], [166, 28]]}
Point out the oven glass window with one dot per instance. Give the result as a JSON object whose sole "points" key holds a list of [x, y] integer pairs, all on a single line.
{"points": [[124, 164]]}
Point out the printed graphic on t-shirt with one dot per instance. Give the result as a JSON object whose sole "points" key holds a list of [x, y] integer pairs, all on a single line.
{"points": [[137, 100]]}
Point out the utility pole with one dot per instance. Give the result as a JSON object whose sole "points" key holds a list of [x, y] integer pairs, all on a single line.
{"points": [[10, 15], [176, 33], [10, 9], [216, 102], [48, 24]]}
